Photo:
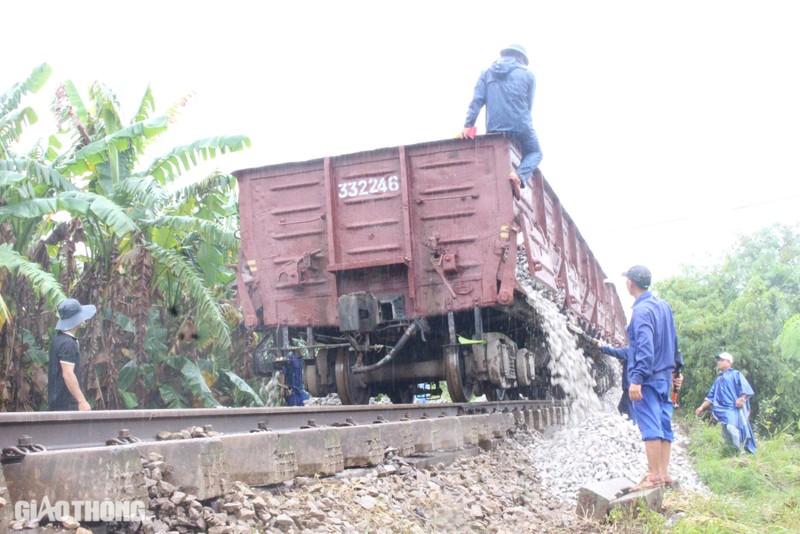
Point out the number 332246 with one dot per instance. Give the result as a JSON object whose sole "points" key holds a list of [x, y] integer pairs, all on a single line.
{"points": [[370, 186]]}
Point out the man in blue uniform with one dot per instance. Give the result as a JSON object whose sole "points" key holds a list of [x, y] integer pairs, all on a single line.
{"points": [[730, 397], [652, 354], [506, 89], [621, 353]]}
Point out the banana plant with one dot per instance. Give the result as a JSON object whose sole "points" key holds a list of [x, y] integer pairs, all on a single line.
{"points": [[110, 226]]}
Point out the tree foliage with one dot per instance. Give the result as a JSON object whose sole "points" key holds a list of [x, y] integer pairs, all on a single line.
{"points": [[747, 305], [96, 218]]}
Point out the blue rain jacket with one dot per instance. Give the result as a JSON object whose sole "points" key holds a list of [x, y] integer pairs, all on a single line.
{"points": [[728, 387], [507, 89], [294, 379], [622, 353], [653, 341]]}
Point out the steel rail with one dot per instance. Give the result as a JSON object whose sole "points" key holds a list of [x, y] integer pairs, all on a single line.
{"points": [[70, 430]]}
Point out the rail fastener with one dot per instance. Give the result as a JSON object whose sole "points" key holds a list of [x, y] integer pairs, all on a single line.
{"points": [[124, 438], [24, 446]]}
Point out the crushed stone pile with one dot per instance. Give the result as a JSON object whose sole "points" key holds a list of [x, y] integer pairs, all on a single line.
{"points": [[603, 445]]}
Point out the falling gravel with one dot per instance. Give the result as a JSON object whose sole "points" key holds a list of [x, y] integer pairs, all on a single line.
{"points": [[570, 370]]}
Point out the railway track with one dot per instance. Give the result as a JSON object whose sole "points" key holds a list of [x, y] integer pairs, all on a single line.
{"points": [[73, 430], [83, 457]]}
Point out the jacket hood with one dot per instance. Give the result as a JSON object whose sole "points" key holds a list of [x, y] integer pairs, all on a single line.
{"points": [[504, 65]]}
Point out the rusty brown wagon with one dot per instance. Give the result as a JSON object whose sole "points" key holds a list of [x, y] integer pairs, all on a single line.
{"points": [[374, 264]]}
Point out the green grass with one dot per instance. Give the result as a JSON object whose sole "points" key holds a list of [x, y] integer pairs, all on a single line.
{"points": [[758, 493]]}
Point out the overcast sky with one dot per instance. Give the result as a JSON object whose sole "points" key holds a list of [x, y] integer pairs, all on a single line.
{"points": [[667, 128]]}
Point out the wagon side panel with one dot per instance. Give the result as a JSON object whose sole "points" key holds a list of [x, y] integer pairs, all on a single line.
{"points": [[285, 227]]}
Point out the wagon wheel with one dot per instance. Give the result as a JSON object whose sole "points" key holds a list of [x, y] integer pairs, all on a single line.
{"points": [[403, 394], [459, 384], [352, 388], [312, 380]]}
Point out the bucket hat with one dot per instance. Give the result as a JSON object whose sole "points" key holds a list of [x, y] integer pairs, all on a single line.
{"points": [[515, 48], [71, 313]]}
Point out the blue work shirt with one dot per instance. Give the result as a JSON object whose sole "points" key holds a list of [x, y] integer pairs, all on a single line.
{"points": [[652, 339], [507, 89], [620, 353]]}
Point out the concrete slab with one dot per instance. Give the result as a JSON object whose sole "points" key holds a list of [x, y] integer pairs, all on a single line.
{"points": [[528, 417], [95, 474], [594, 500], [469, 433], [426, 438], [197, 465], [519, 417], [362, 446], [206, 467], [483, 429], [501, 423], [254, 459], [311, 459], [448, 432], [553, 415], [632, 504], [538, 419], [398, 435]]}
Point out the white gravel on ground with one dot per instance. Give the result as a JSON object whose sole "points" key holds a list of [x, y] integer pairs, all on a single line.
{"points": [[603, 445]]}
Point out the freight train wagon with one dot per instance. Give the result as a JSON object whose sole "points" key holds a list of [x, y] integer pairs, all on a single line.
{"points": [[383, 268]]}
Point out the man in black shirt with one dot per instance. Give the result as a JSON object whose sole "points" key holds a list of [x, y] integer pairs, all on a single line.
{"points": [[63, 388]]}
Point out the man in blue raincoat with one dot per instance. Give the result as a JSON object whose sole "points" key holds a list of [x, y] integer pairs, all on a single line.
{"points": [[729, 397], [506, 89], [294, 380]]}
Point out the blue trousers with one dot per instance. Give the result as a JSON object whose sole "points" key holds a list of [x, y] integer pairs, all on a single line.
{"points": [[528, 142], [653, 413]]}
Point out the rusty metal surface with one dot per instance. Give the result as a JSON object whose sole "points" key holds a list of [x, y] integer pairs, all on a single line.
{"points": [[433, 223], [564, 260], [65, 430]]}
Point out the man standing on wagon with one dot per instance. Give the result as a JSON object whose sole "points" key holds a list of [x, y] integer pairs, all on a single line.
{"points": [[506, 89]]}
